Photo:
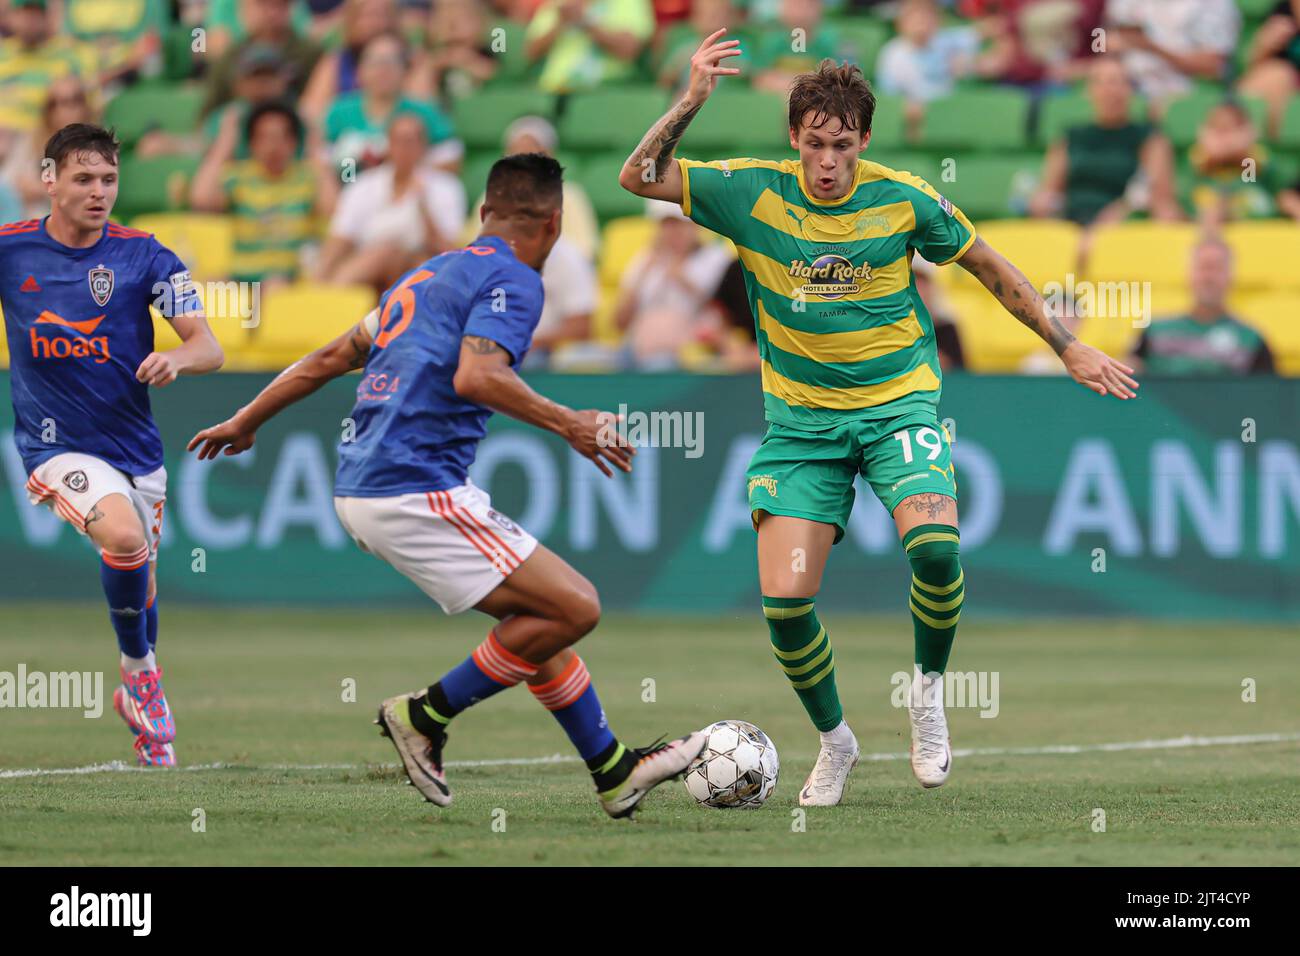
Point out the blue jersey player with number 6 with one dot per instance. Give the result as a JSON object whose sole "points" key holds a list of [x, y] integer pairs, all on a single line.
{"points": [[76, 291], [438, 357]]}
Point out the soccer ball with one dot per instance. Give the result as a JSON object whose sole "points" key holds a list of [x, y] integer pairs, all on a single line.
{"points": [[737, 769]]}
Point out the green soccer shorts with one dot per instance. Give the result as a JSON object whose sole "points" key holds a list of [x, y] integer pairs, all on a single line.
{"points": [[809, 474]]}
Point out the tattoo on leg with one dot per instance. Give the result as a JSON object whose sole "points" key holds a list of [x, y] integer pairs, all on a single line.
{"points": [[929, 504], [95, 515]]}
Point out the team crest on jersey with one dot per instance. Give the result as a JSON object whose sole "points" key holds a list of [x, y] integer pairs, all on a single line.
{"points": [[502, 520], [101, 284], [77, 481]]}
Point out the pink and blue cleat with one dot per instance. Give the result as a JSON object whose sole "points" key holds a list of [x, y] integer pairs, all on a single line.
{"points": [[140, 702]]}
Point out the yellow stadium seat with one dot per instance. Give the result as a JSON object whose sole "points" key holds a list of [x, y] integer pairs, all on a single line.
{"points": [[992, 340], [1266, 254], [298, 319], [229, 332], [1156, 252], [1045, 250], [621, 240], [203, 242], [1277, 317]]}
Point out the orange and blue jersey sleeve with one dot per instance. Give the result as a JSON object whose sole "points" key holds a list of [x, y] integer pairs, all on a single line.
{"points": [[174, 291], [507, 309]]}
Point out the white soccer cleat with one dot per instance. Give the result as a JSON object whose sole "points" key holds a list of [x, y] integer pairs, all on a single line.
{"points": [[655, 764], [931, 746], [830, 774], [421, 757]]}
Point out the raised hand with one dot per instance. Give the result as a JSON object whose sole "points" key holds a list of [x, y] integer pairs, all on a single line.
{"points": [[705, 68]]}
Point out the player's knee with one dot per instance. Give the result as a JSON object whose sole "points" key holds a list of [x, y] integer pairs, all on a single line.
{"points": [[120, 538], [583, 614]]}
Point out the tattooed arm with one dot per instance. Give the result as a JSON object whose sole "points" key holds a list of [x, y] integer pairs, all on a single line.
{"points": [[485, 376], [344, 354], [650, 171], [1089, 367]]}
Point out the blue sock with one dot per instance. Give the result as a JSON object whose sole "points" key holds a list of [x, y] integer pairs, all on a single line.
{"points": [[489, 670], [151, 623], [571, 697], [126, 582]]}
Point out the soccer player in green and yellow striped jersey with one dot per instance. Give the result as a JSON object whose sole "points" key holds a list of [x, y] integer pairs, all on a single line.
{"points": [[850, 373]]}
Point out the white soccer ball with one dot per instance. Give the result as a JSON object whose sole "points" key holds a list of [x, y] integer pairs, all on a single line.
{"points": [[737, 769]]}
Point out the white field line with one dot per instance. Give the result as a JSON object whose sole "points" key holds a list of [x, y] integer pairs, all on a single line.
{"points": [[1170, 743]]}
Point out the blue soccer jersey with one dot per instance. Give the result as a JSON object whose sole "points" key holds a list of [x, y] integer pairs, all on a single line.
{"points": [[78, 326], [413, 432]]}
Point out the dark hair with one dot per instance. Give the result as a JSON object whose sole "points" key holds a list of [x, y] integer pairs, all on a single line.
{"points": [[833, 91], [527, 185], [77, 138], [273, 108]]}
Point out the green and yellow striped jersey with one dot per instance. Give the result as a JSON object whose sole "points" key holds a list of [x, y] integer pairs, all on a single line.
{"points": [[842, 332]]}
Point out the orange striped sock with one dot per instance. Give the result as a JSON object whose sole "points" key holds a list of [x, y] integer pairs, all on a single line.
{"points": [[571, 697]]}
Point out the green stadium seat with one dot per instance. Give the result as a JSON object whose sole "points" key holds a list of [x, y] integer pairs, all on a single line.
{"points": [[507, 49], [610, 200], [178, 53], [993, 119], [153, 185], [739, 123], [612, 119], [1063, 110], [1185, 114], [169, 107], [862, 39], [987, 187], [888, 125], [482, 117]]}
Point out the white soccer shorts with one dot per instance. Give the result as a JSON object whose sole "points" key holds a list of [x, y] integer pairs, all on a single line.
{"points": [[451, 543], [72, 484]]}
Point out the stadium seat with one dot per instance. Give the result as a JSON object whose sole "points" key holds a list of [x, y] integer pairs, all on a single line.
{"points": [[235, 340], [300, 318], [988, 186], [1061, 111], [508, 50], [481, 118], [861, 39], [153, 185], [992, 119], [740, 123], [1184, 115], [1266, 254], [1148, 251], [992, 341], [614, 119], [1045, 250], [610, 200], [620, 241], [205, 243], [888, 123], [173, 108], [1276, 316]]}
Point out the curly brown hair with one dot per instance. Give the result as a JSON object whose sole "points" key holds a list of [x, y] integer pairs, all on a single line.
{"points": [[833, 90]]}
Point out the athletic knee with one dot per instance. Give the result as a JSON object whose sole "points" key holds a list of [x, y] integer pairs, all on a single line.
{"points": [[582, 614], [121, 539]]}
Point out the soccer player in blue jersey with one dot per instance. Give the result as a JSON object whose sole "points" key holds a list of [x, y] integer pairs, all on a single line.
{"points": [[439, 356], [76, 291]]}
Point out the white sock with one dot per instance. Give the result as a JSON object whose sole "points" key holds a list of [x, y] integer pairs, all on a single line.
{"points": [[133, 665], [926, 691], [839, 738]]}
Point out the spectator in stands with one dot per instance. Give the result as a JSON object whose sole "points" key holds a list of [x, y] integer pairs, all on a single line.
{"points": [[585, 43], [336, 72], [126, 36], [1103, 170], [33, 57], [66, 102], [1231, 170], [569, 284], [1167, 45], [275, 197], [665, 288], [732, 334], [924, 62], [532, 134], [683, 39], [1035, 44], [1207, 340], [456, 60], [394, 216], [1273, 63], [268, 24], [797, 46], [356, 126]]}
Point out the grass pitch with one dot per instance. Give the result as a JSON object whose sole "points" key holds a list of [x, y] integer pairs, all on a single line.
{"points": [[304, 777]]}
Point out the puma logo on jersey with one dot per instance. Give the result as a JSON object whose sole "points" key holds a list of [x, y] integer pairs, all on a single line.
{"points": [[63, 346]]}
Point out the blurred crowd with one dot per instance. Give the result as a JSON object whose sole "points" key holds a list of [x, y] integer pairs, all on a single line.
{"points": [[325, 132]]}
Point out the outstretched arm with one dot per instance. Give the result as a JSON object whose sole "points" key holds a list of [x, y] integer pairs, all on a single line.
{"points": [[650, 171], [237, 433], [484, 376], [1086, 365]]}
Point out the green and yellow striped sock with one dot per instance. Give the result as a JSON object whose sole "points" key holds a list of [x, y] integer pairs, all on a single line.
{"points": [[938, 587], [803, 649]]}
